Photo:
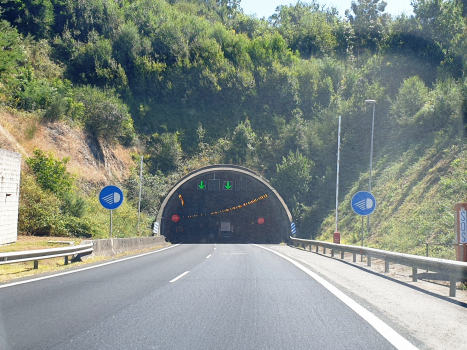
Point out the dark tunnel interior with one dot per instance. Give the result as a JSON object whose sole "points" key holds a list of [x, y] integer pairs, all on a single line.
{"points": [[224, 207]]}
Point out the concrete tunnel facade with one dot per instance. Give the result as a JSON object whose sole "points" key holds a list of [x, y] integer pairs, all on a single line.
{"points": [[223, 204]]}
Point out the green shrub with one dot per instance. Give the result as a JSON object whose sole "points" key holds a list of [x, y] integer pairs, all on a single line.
{"points": [[57, 109], [51, 173], [39, 210], [105, 115], [74, 205]]}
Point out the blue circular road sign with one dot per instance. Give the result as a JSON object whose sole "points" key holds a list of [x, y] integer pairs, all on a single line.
{"points": [[111, 197], [363, 203]]}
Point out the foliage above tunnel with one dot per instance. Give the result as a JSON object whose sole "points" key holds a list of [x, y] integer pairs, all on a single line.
{"points": [[198, 82]]}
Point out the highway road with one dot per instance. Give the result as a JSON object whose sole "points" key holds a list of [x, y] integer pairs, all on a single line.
{"points": [[200, 296]]}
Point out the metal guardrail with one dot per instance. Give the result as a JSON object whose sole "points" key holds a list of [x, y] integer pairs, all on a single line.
{"points": [[40, 254], [456, 270]]}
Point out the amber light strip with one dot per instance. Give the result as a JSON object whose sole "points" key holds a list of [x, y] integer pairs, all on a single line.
{"points": [[264, 196]]}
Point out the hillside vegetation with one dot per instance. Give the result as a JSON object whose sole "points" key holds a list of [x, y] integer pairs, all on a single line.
{"points": [[189, 83]]}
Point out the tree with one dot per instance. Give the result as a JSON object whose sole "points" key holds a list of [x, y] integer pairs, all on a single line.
{"points": [[441, 20], [293, 178], [243, 144], [165, 152], [306, 28], [105, 115], [369, 22], [10, 50]]}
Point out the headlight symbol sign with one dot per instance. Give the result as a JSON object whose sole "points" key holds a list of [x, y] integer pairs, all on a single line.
{"points": [[363, 203], [111, 197]]}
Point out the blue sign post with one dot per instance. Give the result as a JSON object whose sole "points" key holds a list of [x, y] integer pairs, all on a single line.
{"points": [[363, 204], [111, 197]]}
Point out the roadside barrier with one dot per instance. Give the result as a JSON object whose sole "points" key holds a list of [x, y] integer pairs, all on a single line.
{"points": [[456, 270], [40, 254]]}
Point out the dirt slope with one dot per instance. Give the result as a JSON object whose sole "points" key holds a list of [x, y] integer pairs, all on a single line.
{"points": [[95, 162]]}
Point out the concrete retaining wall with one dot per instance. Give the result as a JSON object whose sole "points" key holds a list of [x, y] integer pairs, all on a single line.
{"points": [[10, 172], [114, 246]]}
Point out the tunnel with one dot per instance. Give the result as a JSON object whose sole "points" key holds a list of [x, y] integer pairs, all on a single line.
{"points": [[223, 204]]}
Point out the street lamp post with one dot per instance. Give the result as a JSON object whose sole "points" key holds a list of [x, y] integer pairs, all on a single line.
{"points": [[372, 102]]}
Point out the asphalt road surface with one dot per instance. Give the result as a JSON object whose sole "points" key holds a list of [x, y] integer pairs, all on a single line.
{"points": [[185, 297]]}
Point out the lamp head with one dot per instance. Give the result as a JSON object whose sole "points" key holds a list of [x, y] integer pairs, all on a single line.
{"points": [[372, 102]]}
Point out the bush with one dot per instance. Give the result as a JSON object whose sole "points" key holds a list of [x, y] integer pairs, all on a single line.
{"points": [[39, 210], [42, 213], [73, 205], [105, 115], [51, 173]]}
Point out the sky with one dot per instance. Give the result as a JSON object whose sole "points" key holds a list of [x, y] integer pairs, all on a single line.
{"points": [[265, 8]]}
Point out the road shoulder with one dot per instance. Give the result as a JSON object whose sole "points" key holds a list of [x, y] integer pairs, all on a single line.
{"points": [[420, 311]]}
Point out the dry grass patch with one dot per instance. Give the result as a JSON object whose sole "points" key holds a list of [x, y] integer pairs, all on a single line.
{"points": [[10, 272]]}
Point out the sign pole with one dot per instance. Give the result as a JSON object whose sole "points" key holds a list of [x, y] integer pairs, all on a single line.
{"points": [[361, 256], [111, 219]]}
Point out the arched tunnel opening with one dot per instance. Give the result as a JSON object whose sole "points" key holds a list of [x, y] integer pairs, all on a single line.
{"points": [[224, 204]]}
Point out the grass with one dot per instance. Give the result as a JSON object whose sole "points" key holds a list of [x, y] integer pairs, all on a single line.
{"points": [[10, 272], [416, 193]]}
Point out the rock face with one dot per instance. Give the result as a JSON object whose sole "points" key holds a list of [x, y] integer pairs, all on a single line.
{"points": [[95, 162]]}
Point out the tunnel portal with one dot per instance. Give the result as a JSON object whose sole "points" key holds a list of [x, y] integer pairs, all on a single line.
{"points": [[223, 204]]}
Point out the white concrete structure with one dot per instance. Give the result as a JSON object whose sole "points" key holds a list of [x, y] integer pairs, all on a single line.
{"points": [[10, 172]]}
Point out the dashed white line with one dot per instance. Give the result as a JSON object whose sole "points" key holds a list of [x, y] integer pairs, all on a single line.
{"points": [[178, 277], [208, 256]]}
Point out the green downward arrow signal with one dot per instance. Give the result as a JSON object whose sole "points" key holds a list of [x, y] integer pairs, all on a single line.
{"points": [[228, 186], [201, 185]]}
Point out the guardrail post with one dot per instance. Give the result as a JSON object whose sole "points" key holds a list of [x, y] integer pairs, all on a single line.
{"points": [[354, 257], [452, 286], [414, 274], [36, 264], [317, 248], [386, 266], [342, 254], [368, 260], [332, 253], [66, 259], [310, 248], [324, 250]]}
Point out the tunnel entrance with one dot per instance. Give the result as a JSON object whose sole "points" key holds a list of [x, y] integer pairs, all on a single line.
{"points": [[223, 204]]}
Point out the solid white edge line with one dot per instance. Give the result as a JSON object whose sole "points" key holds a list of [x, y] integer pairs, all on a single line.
{"points": [[178, 277], [84, 268], [386, 331], [208, 256]]}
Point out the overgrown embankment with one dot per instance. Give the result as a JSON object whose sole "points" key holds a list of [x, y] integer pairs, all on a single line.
{"points": [[59, 188], [416, 192]]}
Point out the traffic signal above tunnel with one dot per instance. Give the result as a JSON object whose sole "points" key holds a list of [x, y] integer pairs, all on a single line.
{"points": [[224, 204]]}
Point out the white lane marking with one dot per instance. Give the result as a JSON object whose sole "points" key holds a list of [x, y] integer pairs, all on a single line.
{"points": [[382, 328], [85, 268], [178, 277], [208, 256]]}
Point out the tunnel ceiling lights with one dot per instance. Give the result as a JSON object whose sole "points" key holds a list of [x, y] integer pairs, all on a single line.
{"points": [[264, 196]]}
